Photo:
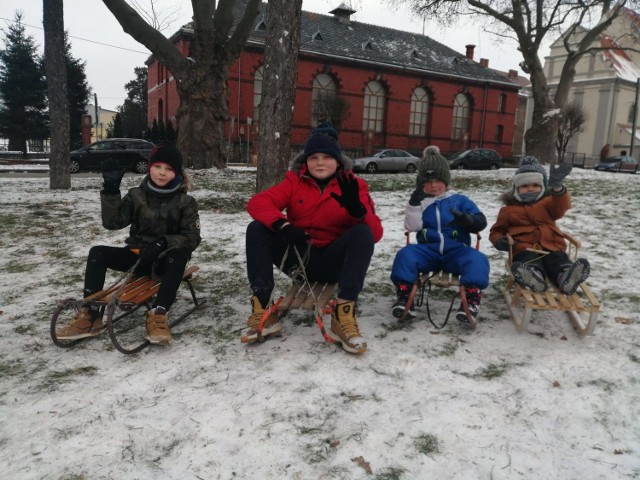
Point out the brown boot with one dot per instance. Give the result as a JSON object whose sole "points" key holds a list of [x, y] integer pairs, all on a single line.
{"points": [[85, 324], [158, 327], [271, 325], [344, 328]]}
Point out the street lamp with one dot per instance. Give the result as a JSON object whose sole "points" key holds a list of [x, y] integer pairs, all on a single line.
{"points": [[635, 118]]}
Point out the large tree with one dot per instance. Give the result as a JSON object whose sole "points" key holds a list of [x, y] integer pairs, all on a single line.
{"points": [[78, 93], [278, 90], [23, 105], [133, 112], [56, 68], [201, 78], [529, 22]]}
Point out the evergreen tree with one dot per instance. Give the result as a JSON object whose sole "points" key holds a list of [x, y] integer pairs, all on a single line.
{"points": [[134, 110], [23, 105], [162, 131], [78, 93], [171, 135], [114, 130], [155, 131]]}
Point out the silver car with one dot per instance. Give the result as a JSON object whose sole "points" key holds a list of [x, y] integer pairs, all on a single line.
{"points": [[387, 161]]}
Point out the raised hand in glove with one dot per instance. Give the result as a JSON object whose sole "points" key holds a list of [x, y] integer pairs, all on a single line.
{"points": [[461, 219], [557, 173], [152, 251], [350, 198], [112, 175], [502, 244], [417, 196]]}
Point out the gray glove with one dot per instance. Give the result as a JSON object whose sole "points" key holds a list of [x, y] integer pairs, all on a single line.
{"points": [[557, 173]]}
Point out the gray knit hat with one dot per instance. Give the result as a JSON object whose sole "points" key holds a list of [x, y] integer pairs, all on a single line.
{"points": [[433, 166], [529, 171]]}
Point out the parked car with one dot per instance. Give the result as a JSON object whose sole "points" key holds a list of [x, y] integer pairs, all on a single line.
{"points": [[131, 153], [388, 161], [477, 159], [623, 164]]}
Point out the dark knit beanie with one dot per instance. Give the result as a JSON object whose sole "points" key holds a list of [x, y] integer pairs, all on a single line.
{"points": [[529, 171], [167, 153], [323, 139], [434, 166]]}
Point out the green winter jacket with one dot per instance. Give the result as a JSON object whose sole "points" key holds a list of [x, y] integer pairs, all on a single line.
{"points": [[172, 215]]}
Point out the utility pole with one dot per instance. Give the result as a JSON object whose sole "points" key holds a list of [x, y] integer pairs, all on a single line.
{"points": [[635, 119], [95, 96]]}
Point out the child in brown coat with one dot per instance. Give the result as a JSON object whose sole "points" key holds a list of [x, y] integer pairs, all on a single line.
{"points": [[529, 217]]}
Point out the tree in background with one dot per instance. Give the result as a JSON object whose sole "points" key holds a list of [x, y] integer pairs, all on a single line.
{"points": [[56, 68], [23, 105], [330, 107], [529, 22], [133, 112], [201, 79], [572, 121], [114, 129], [278, 90], [78, 94]]}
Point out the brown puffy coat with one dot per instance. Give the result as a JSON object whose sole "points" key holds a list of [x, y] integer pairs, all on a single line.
{"points": [[532, 225]]}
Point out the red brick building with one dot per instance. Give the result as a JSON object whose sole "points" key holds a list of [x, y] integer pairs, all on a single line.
{"points": [[401, 90]]}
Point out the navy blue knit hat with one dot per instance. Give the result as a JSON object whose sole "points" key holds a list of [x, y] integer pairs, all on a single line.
{"points": [[167, 153], [323, 139]]}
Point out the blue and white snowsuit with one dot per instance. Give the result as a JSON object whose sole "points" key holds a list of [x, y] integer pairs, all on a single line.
{"points": [[441, 244]]}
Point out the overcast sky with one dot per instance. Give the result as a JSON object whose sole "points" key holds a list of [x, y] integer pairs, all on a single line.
{"points": [[111, 55]]}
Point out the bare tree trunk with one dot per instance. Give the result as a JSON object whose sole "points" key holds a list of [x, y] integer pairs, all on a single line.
{"points": [[56, 69], [278, 90]]}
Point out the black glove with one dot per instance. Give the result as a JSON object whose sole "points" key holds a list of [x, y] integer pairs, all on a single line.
{"points": [[350, 199], [557, 173], [293, 234], [462, 220], [417, 196], [152, 250], [112, 175], [502, 244]]}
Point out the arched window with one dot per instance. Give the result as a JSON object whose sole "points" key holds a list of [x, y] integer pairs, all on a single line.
{"points": [[499, 133], [257, 93], [160, 110], [373, 114], [323, 95], [419, 112], [461, 111]]}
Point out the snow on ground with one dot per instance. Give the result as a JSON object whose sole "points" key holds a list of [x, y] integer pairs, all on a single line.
{"points": [[421, 403]]}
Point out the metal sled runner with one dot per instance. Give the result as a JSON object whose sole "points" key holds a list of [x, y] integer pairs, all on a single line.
{"points": [[582, 307], [129, 297]]}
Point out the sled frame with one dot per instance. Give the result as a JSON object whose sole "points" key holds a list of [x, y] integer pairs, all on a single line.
{"points": [[582, 308], [135, 294]]}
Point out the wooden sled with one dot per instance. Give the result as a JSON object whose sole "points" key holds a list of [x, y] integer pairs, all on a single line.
{"points": [[131, 297], [299, 296], [582, 307]]}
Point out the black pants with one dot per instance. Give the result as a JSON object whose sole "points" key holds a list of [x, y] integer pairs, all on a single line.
{"points": [[345, 261], [171, 266], [551, 264]]}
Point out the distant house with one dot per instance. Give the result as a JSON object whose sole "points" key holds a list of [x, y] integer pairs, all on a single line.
{"points": [[605, 86], [105, 117], [402, 90]]}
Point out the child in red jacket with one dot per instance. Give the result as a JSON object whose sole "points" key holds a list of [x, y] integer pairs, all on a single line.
{"points": [[326, 213]]}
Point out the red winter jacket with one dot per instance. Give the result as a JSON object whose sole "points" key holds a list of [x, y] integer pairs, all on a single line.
{"points": [[315, 211]]}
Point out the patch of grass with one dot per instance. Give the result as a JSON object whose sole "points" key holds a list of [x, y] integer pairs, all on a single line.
{"points": [[8, 221], [390, 473], [223, 204], [11, 368], [427, 444], [634, 358], [492, 371], [25, 329], [17, 266], [602, 383], [57, 377]]}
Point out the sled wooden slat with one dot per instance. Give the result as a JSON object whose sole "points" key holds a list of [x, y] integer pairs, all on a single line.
{"points": [[137, 290], [300, 297], [443, 279]]}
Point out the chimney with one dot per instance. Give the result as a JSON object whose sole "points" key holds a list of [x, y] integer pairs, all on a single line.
{"points": [[484, 62], [343, 13], [513, 74], [470, 48]]}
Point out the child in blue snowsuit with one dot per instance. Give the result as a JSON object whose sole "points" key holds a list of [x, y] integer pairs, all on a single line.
{"points": [[443, 221]]}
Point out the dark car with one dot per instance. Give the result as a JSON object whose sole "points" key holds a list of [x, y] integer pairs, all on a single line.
{"points": [[388, 161], [618, 164], [476, 159], [131, 153]]}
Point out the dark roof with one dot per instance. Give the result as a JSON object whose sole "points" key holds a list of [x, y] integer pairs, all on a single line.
{"points": [[326, 35]]}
